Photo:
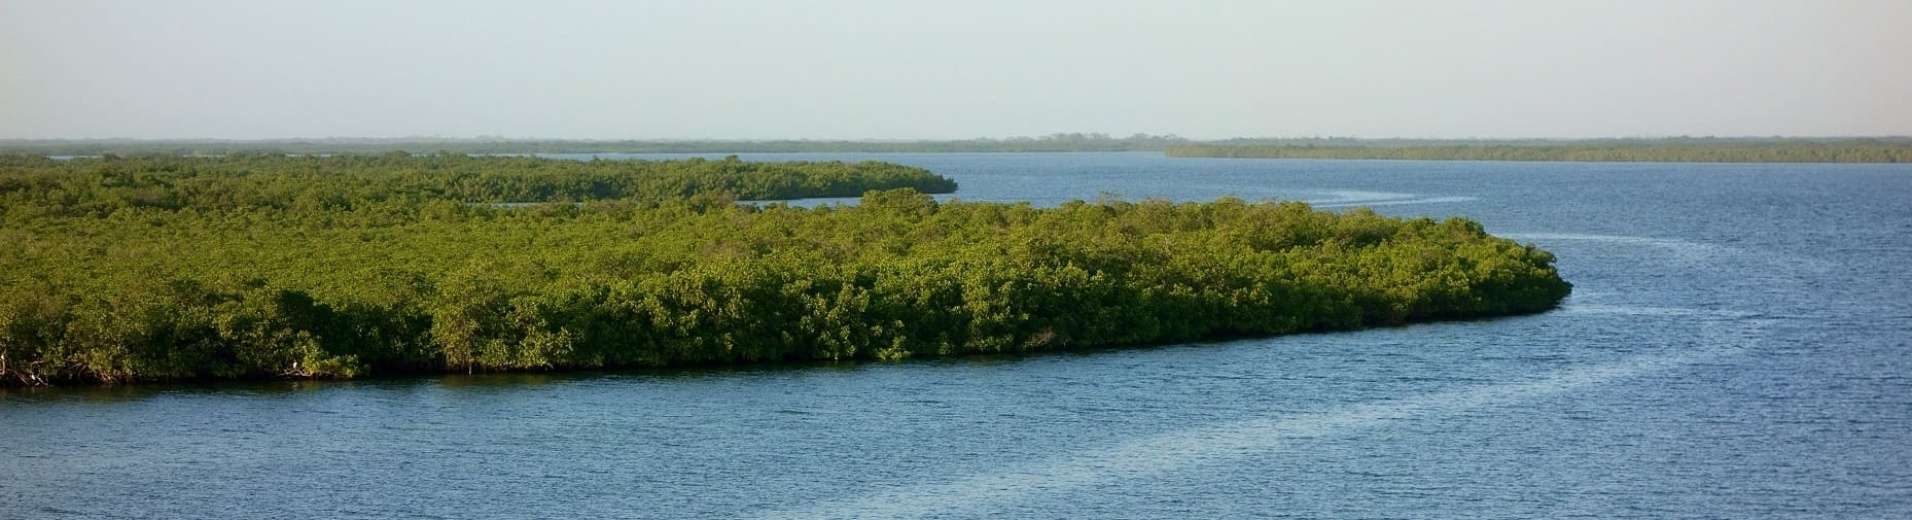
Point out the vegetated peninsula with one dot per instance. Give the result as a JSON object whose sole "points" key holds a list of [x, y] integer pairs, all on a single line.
{"points": [[159, 268], [1886, 150]]}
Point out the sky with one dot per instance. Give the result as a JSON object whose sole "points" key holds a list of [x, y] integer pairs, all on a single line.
{"points": [[953, 69]]}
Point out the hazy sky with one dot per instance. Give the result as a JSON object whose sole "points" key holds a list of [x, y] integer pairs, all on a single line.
{"points": [[902, 69]]}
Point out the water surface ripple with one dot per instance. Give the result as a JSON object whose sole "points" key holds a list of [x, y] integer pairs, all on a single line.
{"points": [[1736, 347]]}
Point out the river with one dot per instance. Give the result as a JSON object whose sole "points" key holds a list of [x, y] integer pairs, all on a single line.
{"points": [[1737, 346]]}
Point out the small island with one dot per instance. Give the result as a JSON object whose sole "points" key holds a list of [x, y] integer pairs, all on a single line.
{"points": [[122, 269]]}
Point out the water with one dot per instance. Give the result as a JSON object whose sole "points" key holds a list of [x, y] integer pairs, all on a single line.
{"points": [[1736, 347]]}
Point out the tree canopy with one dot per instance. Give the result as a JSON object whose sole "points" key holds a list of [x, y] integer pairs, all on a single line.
{"points": [[167, 268]]}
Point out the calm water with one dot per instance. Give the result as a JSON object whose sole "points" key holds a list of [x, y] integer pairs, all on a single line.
{"points": [[1736, 347]]}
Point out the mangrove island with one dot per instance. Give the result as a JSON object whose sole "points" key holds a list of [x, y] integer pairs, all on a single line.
{"points": [[121, 269]]}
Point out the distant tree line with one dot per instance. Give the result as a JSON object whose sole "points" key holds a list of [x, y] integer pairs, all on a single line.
{"points": [[100, 186], [162, 268], [1688, 150]]}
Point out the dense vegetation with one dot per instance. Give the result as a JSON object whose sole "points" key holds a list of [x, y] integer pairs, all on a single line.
{"points": [[1687, 150], [163, 268], [98, 187]]}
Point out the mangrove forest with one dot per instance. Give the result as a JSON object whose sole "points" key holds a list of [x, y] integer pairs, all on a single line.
{"points": [[165, 268]]}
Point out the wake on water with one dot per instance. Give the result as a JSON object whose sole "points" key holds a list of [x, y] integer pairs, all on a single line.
{"points": [[1354, 198], [1722, 333], [1217, 443]]}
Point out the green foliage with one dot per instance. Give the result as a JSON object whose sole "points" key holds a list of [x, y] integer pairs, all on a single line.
{"points": [[315, 184], [166, 268]]}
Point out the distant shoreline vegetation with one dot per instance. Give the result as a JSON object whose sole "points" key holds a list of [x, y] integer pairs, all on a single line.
{"points": [[170, 268], [99, 186], [1670, 150]]}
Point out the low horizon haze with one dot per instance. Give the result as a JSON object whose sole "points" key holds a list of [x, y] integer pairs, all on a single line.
{"points": [[869, 69]]}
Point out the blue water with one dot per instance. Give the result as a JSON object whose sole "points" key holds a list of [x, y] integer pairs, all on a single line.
{"points": [[1736, 347]]}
